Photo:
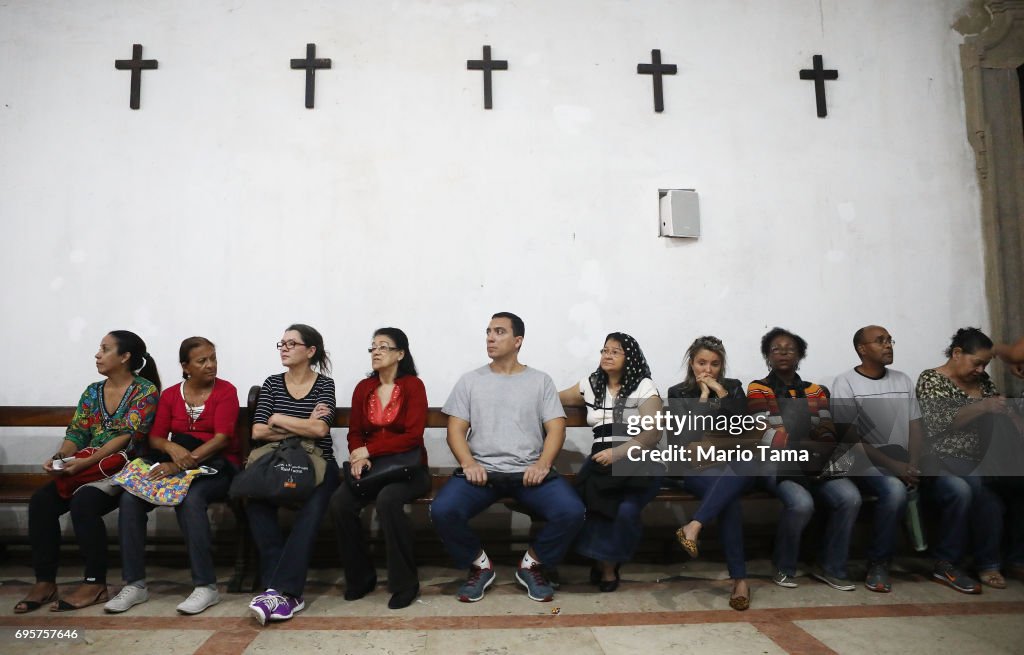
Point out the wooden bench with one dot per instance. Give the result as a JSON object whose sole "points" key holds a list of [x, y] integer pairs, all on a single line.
{"points": [[17, 487]]}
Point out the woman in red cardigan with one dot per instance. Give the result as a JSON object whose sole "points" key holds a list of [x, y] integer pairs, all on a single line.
{"points": [[389, 413]]}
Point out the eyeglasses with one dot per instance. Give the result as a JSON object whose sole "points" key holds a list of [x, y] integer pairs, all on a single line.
{"points": [[883, 341], [775, 350], [383, 348], [288, 345], [614, 352]]}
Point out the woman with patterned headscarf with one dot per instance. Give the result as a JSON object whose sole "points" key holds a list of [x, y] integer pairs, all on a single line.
{"points": [[618, 391]]}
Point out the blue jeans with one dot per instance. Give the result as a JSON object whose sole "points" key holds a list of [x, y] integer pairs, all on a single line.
{"points": [[555, 501], [889, 510], [192, 519], [616, 541], [285, 563], [720, 493], [966, 503], [841, 497]]}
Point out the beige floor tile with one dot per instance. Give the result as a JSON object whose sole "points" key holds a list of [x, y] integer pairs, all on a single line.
{"points": [[108, 642], [720, 639], [578, 641], [390, 642], [952, 635]]}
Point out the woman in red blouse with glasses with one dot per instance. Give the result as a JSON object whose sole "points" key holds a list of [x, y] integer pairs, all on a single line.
{"points": [[389, 414]]}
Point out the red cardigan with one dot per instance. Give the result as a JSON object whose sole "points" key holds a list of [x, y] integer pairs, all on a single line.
{"points": [[219, 417], [402, 434]]}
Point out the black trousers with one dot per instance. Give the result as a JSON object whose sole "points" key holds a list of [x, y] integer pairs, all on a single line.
{"points": [[87, 507], [398, 536]]}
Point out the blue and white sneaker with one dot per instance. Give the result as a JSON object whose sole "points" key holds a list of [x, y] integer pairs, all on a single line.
{"points": [[476, 584], [537, 586]]}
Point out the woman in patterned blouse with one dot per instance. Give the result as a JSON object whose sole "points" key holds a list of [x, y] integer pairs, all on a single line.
{"points": [[111, 415], [963, 412]]}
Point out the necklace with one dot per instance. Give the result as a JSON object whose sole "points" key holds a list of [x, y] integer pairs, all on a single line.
{"points": [[195, 410]]}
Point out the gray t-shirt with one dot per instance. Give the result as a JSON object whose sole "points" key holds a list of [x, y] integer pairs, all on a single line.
{"points": [[506, 414]]}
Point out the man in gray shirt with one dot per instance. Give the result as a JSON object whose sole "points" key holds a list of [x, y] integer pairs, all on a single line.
{"points": [[505, 428]]}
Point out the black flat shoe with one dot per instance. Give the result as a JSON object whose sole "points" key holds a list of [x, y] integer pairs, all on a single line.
{"points": [[26, 606], [607, 586], [355, 593], [403, 598]]}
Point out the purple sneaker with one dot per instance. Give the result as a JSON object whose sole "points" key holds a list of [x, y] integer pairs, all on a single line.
{"points": [[264, 604], [289, 607], [274, 606]]}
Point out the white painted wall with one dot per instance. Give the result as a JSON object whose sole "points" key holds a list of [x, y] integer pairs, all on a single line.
{"points": [[225, 208]]}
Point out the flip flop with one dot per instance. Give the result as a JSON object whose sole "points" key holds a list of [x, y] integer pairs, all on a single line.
{"points": [[26, 606], [992, 579], [689, 545], [63, 606]]}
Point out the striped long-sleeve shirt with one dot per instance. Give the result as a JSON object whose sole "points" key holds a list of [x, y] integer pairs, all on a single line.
{"points": [[275, 399]]}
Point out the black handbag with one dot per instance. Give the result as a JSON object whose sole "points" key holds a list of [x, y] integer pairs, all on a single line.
{"points": [[384, 469], [283, 476]]}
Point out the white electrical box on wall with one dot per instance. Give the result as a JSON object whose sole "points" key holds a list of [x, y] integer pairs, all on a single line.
{"points": [[679, 213]]}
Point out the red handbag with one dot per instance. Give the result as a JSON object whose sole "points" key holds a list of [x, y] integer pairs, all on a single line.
{"points": [[106, 467]]}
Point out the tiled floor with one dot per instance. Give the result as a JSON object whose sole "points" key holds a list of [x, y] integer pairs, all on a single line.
{"points": [[683, 608]]}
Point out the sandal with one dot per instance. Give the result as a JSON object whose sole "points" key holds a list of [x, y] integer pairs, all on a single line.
{"points": [[992, 579], [25, 606], [63, 606], [740, 603], [689, 545]]}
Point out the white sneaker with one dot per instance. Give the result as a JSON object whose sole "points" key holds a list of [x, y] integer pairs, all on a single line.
{"points": [[199, 600], [127, 598]]}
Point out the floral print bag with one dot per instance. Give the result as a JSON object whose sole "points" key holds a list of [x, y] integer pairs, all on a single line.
{"points": [[167, 491]]}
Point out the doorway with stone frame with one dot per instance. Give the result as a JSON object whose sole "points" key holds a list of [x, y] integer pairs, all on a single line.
{"points": [[992, 58]]}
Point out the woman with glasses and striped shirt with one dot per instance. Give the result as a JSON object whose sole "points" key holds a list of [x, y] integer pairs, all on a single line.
{"points": [[299, 402]]}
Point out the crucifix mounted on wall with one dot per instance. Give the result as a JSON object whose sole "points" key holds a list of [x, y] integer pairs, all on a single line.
{"points": [[487, 65], [310, 64], [656, 69], [136, 65], [819, 74]]}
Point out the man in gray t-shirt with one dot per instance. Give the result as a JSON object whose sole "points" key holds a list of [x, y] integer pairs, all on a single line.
{"points": [[505, 428], [507, 413]]}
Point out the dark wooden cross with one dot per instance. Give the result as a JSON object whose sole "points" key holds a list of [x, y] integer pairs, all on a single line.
{"points": [[656, 69], [310, 64], [819, 75], [486, 65], [136, 65]]}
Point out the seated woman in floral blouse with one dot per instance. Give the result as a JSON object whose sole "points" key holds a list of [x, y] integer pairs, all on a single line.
{"points": [[111, 414], [963, 414]]}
